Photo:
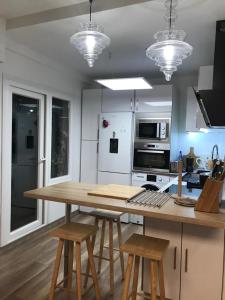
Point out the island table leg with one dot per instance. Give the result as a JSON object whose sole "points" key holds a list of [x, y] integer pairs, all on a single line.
{"points": [[66, 245]]}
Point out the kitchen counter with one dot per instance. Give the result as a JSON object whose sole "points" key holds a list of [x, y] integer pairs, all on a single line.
{"points": [[76, 194]]}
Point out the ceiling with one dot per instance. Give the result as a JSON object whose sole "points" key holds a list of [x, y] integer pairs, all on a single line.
{"points": [[130, 28], [16, 8]]}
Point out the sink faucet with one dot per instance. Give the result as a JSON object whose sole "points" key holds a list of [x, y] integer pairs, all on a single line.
{"points": [[215, 147]]}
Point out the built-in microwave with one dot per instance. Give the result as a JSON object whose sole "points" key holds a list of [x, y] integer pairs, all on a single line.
{"points": [[152, 128], [151, 157]]}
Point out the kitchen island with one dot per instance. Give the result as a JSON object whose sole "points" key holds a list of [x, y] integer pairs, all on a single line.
{"points": [[194, 262]]}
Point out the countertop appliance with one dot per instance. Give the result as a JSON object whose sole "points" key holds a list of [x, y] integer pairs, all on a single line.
{"points": [[115, 149], [152, 127], [212, 102], [151, 157], [151, 182]]}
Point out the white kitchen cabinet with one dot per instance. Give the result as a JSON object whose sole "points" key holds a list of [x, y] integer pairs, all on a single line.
{"points": [[117, 101], [194, 118], [194, 261], [115, 178], [159, 99], [89, 160], [205, 78], [91, 108], [172, 232], [202, 263]]}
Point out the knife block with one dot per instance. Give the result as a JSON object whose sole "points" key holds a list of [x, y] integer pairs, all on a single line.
{"points": [[210, 197]]}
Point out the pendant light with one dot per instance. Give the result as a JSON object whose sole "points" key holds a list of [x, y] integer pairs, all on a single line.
{"points": [[90, 40], [170, 48]]}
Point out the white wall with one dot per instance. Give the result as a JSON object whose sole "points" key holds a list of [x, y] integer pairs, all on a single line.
{"points": [[48, 77]]}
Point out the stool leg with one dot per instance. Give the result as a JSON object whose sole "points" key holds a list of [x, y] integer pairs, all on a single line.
{"points": [[153, 273], [92, 267], [135, 279], [70, 265], [125, 292], [161, 281], [111, 261], [120, 243], [88, 264], [78, 273], [56, 270], [101, 246]]}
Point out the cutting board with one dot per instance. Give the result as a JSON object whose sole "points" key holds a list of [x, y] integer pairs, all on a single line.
{"points": [[115, 191]]}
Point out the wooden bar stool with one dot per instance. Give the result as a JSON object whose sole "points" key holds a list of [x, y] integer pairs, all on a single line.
{"points": [[109, 217], [153, 249], [74, 232]]}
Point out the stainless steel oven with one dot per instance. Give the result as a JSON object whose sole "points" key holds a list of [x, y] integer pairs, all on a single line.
{"points": [[151, 157], [148, 127]]}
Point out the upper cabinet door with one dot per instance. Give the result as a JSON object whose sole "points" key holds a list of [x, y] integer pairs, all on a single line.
{"points": [[159, 99], [202, 263], [117, 101], [91, 108]]}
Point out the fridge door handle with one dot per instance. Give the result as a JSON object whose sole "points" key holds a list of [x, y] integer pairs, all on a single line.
{"points": [[97, 148]]}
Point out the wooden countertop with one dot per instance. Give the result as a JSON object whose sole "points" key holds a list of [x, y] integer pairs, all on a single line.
{"points": [[76, 193]]}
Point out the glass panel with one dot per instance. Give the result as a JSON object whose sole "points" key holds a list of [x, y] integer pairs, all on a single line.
{"points": [[25, 115], [60, 138]]}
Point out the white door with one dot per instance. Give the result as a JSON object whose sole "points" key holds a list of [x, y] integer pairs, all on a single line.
{"points": [[115, 139], [23, 161], [171, 231], [202, 263], [89, 159], [117, 101], [91, 108]]}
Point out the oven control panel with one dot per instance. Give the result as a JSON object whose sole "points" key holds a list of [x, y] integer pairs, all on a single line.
{"points": [[144, 178]]}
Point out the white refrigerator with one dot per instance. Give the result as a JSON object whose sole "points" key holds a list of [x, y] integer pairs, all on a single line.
{"points": [[115, 149]]}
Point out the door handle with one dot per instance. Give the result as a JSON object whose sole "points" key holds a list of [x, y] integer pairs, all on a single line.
{"points": [[175, 259], [186, 261], [42, 159]]}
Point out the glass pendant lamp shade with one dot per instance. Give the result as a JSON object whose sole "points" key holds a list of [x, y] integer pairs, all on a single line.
{"points": [[170, 48], [90, 40]]}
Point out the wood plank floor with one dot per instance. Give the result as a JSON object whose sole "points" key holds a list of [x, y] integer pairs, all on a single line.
{"points": [[26, 266]]}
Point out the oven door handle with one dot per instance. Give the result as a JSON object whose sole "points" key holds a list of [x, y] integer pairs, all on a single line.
{"points": [[151, 151]]}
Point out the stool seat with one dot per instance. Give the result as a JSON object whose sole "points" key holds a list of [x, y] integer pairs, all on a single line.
{"points": [[68, 235], [104, 213], [141, 246], [74, 232], [145, 246]]}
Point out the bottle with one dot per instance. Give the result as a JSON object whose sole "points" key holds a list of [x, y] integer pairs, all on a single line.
{"points": [[180, 156]]}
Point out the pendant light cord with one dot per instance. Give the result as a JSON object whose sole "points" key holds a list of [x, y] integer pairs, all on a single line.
{"points": [[90, 1], [170, 23]]}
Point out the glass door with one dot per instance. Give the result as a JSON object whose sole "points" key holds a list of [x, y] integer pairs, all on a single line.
{"points": [[23, 134]]}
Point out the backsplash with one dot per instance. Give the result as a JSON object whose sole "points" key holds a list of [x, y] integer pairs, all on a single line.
{"points": [[202, 143]]}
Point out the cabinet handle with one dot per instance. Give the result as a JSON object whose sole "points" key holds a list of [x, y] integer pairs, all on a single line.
{"points": [[131, 104], [175, 259], [97, 147], [186, 261]]}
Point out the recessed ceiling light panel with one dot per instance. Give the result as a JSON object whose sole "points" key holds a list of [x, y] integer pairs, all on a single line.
{"points": [[135, 83]]}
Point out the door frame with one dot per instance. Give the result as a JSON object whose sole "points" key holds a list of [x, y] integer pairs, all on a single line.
{"points": [[8, 89]]}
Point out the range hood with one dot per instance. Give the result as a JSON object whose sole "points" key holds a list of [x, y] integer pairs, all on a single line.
{"points": [[212, 102]]}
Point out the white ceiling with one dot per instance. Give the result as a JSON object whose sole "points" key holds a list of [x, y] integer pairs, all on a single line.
{"points": [[16, 8], [131, 30]]}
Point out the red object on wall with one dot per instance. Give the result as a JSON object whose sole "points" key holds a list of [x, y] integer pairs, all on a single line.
{"points": [[105, 123]]}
